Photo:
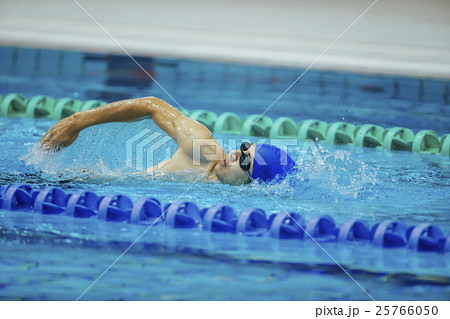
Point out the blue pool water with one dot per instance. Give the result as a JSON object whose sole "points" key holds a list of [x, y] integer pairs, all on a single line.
{"points": [[58, 258]]}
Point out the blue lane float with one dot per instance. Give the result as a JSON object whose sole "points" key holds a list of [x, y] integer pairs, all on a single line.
{"points": [[147, 211], [354, 230], [115, 207], [82, 205], [51, 200], [18, 196], [389, 234], [322, 228], [425, 237], [183, 215], [220, 218], [286, 226], [251, 222]]}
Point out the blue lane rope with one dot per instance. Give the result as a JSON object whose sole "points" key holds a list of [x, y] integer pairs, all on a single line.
{"points": [[221, 218]]}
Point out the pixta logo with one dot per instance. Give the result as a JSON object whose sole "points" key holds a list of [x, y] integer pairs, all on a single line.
{"points": [[143, 149], [149, 151]]}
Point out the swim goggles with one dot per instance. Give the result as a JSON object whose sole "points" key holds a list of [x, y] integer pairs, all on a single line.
{"points": [[245, 159]]}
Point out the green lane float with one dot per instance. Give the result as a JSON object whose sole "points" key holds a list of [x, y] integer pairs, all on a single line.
{"points": [[228, 123], [445, 145], [256, 125], [369, 135], [91, 104], [426, 141], [338, 133], [66, 107], [312, 129], [13, 105], [283, 127], [40, 106], [207, 118], [398, 139]]}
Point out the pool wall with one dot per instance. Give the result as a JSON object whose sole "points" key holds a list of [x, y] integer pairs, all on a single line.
{"points": [[242, 89], [403, 37]]}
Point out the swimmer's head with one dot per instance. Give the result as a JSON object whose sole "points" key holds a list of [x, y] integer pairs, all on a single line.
{"points": [[254, 161], [271, 163]]}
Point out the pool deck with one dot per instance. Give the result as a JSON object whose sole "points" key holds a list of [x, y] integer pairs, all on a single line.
{"points": [[400, 37]]}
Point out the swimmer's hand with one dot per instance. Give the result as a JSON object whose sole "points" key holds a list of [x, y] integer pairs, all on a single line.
{"points": [[61, 135]]}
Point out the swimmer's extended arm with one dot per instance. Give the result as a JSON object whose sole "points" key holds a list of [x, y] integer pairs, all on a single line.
{"points": [[162, 113], [172, 121]]}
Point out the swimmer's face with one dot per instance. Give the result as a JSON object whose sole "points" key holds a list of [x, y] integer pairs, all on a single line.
{"points": [[229, 170]]}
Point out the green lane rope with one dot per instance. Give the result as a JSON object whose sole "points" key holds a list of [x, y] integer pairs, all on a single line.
{"points": [[339, 133], [41, 106]]}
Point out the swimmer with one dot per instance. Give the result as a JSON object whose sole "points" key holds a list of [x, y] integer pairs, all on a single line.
{"points": [[197, 148]]}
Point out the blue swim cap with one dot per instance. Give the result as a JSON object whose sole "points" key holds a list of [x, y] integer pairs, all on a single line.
{"points": [[271, 163]]}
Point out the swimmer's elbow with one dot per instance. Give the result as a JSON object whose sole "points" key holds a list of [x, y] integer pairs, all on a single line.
{"points": [[161, 108]]}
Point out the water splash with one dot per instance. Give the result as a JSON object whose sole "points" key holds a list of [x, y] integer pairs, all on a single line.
{"points": [[331, 176], [54, 166], [97, 152]]}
